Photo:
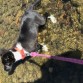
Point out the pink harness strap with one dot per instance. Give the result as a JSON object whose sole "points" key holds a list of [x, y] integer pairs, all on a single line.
{"points": [[72, 60]]}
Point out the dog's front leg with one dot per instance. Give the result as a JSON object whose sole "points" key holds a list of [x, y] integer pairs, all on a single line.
{"points": [[38, 47]]}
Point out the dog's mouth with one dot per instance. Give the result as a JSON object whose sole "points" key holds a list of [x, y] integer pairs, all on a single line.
{"points": [[7, 68]]}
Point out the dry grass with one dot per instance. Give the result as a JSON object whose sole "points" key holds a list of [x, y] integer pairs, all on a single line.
{"points": [[65, 35]]}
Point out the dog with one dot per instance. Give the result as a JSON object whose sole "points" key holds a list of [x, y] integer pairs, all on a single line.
{"points": [[27, 40]]}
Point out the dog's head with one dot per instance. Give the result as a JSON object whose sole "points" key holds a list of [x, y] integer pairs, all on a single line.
{"points": [[8, 60]]}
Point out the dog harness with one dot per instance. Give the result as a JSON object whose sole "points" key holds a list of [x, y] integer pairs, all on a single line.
{"points": [[22, 53]]}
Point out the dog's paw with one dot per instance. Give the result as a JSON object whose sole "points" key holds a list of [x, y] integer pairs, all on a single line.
{"points": [[53, 19], [44, 48]]}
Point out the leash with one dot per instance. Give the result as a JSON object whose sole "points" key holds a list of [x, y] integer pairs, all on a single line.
{"points": [[72, 60], [36, 54]]}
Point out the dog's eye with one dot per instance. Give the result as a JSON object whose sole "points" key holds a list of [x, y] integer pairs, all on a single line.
{"points": [[7, 58]]}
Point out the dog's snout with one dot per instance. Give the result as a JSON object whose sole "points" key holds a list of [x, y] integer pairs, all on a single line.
{"points": [[7, 68]]}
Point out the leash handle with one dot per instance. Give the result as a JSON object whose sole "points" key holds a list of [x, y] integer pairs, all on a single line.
{"points": [[72, 60]]}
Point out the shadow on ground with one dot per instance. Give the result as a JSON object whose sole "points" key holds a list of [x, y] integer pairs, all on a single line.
{"points": [[54, 71]]}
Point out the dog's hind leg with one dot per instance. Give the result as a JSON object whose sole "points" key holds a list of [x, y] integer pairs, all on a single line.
{"points": [[40, 19]]}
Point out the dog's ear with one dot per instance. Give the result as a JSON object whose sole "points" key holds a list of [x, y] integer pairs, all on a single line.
{"points": [[2, 51], [39, 19]]}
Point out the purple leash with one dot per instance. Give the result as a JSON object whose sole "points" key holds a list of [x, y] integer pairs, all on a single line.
{"points": [[72, 60]]}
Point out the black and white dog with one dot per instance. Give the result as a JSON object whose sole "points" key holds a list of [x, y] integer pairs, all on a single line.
{"points": [[27, 40]]}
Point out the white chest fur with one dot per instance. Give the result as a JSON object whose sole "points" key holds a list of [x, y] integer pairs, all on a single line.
{"points": [[17, 54]]}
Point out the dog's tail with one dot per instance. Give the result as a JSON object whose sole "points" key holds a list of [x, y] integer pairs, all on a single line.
{"points": [[33, 4]]}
